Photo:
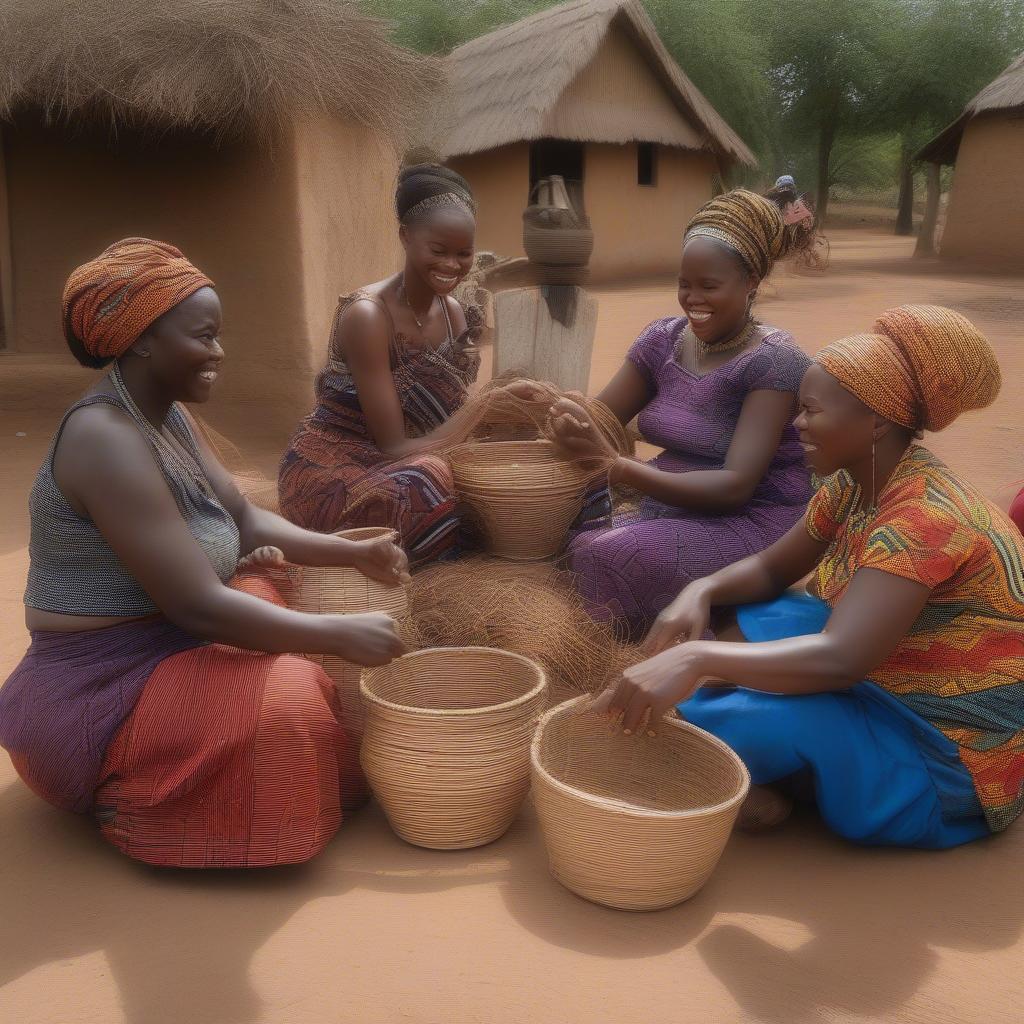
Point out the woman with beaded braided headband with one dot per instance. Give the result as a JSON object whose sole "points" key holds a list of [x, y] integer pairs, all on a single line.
{"points": [[717, 391], [399, 364], [894, 692]]}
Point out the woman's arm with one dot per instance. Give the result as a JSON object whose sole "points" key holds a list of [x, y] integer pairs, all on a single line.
{"points": [[258, 528], [762, 419], [626, 393], [875, 614], [107, 469], [759, 577]]}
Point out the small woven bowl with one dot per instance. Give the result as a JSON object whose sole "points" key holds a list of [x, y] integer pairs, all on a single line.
{"points": [[447, 743], [633, 822], [523, 496], [342, 590]]}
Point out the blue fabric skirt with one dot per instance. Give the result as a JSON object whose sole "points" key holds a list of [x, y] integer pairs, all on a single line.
{"points": [[881, 774]]}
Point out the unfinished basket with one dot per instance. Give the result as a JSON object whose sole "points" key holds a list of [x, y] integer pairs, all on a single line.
{"points": [[447, 742], [523, 496], [346, 591], [633, 822]]}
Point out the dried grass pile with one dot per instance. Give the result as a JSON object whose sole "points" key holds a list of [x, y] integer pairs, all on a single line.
{"points": [[228, 67], [528, 609]]}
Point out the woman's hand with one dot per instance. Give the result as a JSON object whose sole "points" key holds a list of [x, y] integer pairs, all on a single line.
{"points": [[381, 559], [266, 557], [646, 691], [525, 390], [366, 639], [688, 617], [574, 435]]}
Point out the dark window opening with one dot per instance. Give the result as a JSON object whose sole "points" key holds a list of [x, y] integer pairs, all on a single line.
{"points": [[646, 163], [557, 156]]}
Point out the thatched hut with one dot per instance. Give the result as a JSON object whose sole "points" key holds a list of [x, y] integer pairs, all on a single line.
{"points": [[260, 137], [985, 216], [586, 90]]}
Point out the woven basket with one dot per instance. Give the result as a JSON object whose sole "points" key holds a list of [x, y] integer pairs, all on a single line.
{"points": [[345, 591], [447, 743], [633, 822], [522, 496], [558, 246]]}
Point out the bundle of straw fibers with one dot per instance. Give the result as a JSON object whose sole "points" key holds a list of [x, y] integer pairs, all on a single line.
{"points": [[523, 497], [447, 745], [633, 822], [528, 608], [346, 591]]}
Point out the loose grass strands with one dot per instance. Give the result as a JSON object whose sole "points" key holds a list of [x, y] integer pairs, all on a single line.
{"points": [[633, 822], [528, 609], [345, 591], [447, 742]]}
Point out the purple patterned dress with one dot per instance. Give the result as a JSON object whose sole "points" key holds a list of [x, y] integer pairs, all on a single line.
{"points": [[635, 567]]}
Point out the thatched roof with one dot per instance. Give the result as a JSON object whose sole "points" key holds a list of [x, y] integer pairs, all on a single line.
{"points": [[228, 67], [1005, 95], [505, 85]]}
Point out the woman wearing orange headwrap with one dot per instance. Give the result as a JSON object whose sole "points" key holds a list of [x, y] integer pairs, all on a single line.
{"points": [[896, 693], [144, 698]]}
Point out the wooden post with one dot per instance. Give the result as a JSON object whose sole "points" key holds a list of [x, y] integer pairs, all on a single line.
{"points": [[530, 340], [926, 238]]}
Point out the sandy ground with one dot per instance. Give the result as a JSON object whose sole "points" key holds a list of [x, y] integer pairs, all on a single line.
{"points": [[794, 927]]}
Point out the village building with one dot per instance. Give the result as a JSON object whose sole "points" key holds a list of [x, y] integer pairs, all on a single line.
{"points": [[985, 215], [588, 91], [264, 147]]}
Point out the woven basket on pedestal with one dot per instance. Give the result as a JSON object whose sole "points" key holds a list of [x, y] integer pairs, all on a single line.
{"points": [[337, 590], [633, 822], [447, 742], [523, 496]]}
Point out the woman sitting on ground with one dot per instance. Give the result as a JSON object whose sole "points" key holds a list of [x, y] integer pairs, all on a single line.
{"points": [[141, 700], [399, 364], [717, 391], [897, 693]]}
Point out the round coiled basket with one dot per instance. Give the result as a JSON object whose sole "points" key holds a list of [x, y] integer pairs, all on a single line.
{"points": [[633, 822], [522, 496], [334, 590], [447, 743]]}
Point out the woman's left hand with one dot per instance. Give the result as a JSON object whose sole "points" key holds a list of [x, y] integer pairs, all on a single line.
{"points": [[574, 434], [649, 689], [381, 559]]}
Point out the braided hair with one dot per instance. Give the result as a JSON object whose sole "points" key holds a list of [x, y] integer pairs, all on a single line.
{"points": [[426, 187]]}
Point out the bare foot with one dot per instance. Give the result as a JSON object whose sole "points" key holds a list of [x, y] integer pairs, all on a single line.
{"points": [[764, 808]]}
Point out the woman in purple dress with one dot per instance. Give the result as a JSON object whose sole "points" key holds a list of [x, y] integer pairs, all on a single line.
{"points": [[717, 391]]}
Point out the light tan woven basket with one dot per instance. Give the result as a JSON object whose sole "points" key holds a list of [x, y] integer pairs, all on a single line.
{"points": [[633, 822], [447, 742], [346, 591], [523, 496]]}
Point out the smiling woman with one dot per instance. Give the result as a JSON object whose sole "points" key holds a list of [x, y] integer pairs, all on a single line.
{"points": [[400, 360], [159, 693]]}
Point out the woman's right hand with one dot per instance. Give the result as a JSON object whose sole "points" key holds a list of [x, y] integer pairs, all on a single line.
{"points": [[688, 617], [369, 638]]}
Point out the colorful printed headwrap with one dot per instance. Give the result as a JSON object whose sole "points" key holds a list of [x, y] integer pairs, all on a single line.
{"points": [[921, 367], [745, 221], [111, 300]]}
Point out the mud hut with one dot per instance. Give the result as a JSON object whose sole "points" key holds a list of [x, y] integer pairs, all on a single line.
{"points": [[586, 90], [259, 137], [985, 216]]}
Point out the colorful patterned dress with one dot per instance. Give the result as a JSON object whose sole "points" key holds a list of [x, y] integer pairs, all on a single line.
{"points": [[929, 750], [639, 564], [334, 477]]}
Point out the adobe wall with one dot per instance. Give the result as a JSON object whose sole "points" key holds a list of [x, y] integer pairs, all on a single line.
{"points": [[500, 180], [985, 218]]}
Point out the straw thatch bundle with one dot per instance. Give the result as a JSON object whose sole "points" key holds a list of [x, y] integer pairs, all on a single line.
{"points": [[227, 67], [1004, 94]]}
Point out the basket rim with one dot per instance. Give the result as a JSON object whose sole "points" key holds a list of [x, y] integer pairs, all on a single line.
{"points": [[372, 531], [539, 688], [624, 805]]}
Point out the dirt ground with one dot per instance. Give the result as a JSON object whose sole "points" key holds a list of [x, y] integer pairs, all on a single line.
{"points": [[795, 927]]}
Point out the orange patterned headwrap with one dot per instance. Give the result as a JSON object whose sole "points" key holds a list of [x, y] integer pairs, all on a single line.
{"points": [[921, 367], [111, 300]]}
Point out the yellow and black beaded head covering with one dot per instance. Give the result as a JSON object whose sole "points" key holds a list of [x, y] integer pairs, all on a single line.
{"points": [[920, 367], [748, 223]]}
